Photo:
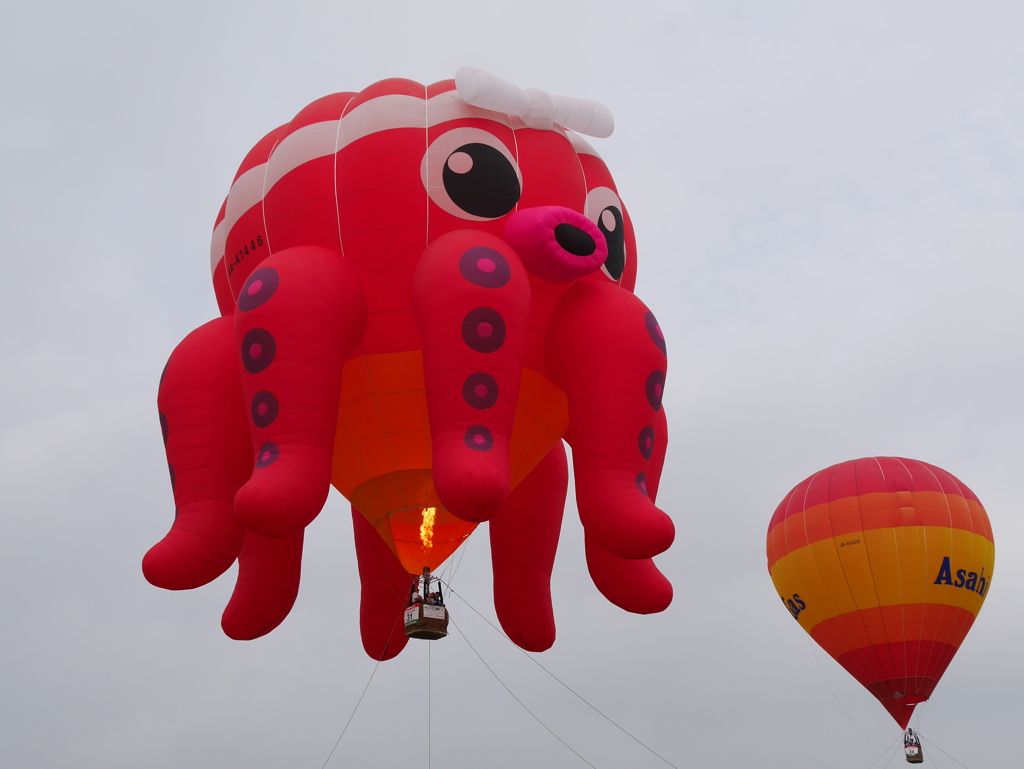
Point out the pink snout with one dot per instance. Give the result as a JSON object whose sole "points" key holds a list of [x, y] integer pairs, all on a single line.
{"points": [[556, 243]]}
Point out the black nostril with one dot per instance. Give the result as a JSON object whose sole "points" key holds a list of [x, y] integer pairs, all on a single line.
{"points": [[574, 240]]}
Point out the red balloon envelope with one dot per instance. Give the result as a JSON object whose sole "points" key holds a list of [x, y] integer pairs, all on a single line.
{"points": [[886, 563], [423, 290]]}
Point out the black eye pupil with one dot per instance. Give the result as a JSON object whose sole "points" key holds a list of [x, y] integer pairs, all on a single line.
{"points": [[616, 238], [489, 188]]}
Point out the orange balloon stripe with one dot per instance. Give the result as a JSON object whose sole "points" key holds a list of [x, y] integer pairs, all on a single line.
{"points": [[449, 532], [892, 624], [382, 451], [383, 426], [868, 476], [542, 418], [394, 503], [883, 510]]}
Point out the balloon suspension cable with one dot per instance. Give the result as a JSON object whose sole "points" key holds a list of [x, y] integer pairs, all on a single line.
{"points": [[462, 554], [560, 681], [838, 702], [894, 746], [918, 716], [925, 739], [429, 703], [360, 700], [521, 703]]}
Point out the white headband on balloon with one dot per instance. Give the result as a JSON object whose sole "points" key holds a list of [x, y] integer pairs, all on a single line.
{"points": [[536, 108]]}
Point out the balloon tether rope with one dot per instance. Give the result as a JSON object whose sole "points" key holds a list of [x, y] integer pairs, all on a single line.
{"points": [[360, 700], [939, 749], [429, 704], [521, 703], [560, 681], [838, 702], [890, 746]]}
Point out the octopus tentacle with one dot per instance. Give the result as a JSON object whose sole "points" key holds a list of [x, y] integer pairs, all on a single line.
{"points": [[635, 585], [300, 315], [524, 538], [267, 584], [471, 297], [206, 437], [605, 350], [384, 590]]}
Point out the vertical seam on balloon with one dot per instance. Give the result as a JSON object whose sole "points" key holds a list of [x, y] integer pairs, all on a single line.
{"points": [[919, 523], [335, 158], [348, 437], [799, 579], [387, 437], [942, 606], [263, 198], [871, 572], [221, 265], [942, 609], [426, 242], [374, 485], [899, 569], [970, 518], [426, 148], [864, 656], [881, 611], [583, 174], [814, 562], [974, 539]]}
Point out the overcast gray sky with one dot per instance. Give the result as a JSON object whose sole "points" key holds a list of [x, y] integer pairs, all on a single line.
{"points": [[828, 204]]}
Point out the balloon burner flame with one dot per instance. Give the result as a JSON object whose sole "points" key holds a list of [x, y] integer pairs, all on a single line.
{"points": [[427, 527]]}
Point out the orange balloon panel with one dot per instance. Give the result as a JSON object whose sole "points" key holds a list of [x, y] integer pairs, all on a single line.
{"points": [[405, 510], [382, 450], [886, 563]]}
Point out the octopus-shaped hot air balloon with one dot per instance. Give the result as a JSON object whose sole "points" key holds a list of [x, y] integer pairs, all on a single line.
{"points": [[886, 562], [423, 290]]}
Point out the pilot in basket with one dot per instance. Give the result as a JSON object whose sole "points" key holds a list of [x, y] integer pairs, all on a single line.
{"points": [[912, 747], [426, 616]]}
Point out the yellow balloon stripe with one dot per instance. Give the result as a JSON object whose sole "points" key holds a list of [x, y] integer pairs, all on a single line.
{"points": [[886, 567]]}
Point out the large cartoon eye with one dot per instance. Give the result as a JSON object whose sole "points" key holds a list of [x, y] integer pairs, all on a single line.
{"points": [[605, 210], [470, 173]]}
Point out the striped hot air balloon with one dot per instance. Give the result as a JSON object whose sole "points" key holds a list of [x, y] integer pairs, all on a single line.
{"points": [[886, 563]]}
